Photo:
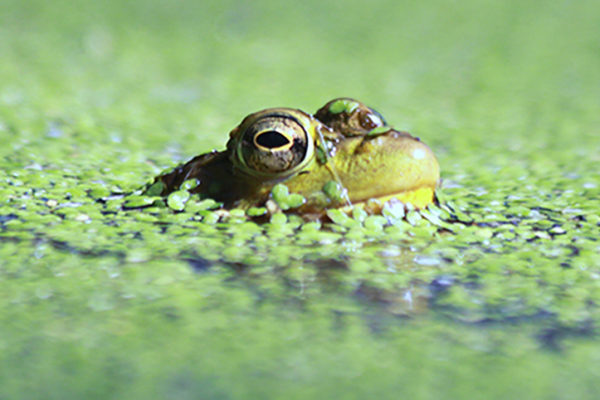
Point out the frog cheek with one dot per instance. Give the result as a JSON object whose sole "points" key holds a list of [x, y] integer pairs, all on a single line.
{"points": [[389, 164], [419, 166]]}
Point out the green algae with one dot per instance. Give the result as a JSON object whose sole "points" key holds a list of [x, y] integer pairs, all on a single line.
{"points": [[110, 293]]}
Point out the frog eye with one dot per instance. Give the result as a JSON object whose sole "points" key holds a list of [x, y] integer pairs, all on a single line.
{"points": [[370, 119], [350, 117], [274, 144]]}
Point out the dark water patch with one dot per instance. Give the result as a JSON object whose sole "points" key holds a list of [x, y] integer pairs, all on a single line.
{"points": [[330, 264], [553, 337], [8, 217], [67, 247], [441, 284], [198, 264]]}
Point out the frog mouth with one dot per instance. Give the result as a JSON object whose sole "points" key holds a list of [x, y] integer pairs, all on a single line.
{"points": [[419, 198]]}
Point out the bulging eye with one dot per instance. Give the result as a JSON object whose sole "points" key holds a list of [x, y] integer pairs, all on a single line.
{"points": [[274, 144], [349, 117], [370, 119]]}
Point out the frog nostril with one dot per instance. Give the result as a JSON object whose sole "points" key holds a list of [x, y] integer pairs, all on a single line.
{"points": [[271, 139]]}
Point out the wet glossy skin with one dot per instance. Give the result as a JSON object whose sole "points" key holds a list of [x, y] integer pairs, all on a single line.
{"points": [[345, 142]]}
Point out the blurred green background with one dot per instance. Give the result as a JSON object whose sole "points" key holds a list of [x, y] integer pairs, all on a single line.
{"points": [[100, 96], [435, 67]]}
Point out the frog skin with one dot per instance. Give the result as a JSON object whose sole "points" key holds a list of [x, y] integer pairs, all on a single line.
{"points": [[345, 144]]}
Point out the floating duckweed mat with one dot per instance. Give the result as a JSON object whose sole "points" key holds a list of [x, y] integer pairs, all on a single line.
{"points": [[105, 293]]}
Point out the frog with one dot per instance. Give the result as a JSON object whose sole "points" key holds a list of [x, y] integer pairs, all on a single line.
{"points": [[344, 155]]}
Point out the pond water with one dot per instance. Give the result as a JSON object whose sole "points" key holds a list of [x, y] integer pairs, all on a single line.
{"points": [[493, 295]]}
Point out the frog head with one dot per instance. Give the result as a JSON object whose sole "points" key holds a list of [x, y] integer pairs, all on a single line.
{"points": [[345, 144]]}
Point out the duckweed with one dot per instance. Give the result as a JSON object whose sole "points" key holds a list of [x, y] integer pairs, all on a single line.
{"points": [[109, 291], [177, 199], [342, 105], [286, 200], [334, 191]]}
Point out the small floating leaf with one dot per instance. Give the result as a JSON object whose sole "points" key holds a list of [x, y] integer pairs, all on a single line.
{"points": [[343, 105], [341, 218], [378, 131], [359, 213], [155, 189], [279, 193], [189, 184], [177, 199], [335, 191], [284, 199], [100, 192], [278, 219], [413, 217], [295, 200], [137, 201], [375, 223], [394, 210], [256, 211]]}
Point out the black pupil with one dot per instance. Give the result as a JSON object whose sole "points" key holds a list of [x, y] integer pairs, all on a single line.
{"points": [[272, 139]]}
